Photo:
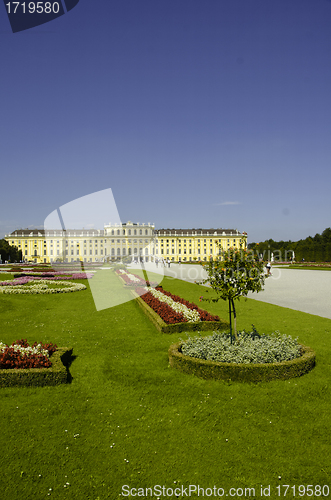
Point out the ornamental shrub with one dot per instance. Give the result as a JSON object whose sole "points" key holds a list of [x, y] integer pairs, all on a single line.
{"points": [[249, 348]]}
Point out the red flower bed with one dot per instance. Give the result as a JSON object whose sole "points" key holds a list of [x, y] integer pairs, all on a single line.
{"points": [[204, 315], [12, 358], [165, 312]]}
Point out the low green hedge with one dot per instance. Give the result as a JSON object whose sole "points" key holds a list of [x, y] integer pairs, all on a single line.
{"points": [[241, 372], [38, 377], [201, 326]]}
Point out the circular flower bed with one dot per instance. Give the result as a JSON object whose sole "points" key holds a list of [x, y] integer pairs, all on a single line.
{"points": [[34, 287], [253, 358]]}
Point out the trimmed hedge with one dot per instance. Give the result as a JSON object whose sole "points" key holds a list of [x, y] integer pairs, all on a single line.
{"points": [[178, 327], [242, 372], [38, 377]]}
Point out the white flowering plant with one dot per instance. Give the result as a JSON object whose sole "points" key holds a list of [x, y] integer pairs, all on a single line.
{"points": [[250, 347], [34, 287]]}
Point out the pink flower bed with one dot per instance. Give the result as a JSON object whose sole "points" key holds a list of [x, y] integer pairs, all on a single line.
{"points": [[138, 280], [22, 280]]}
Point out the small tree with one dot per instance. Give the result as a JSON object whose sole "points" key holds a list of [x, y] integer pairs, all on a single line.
{"points": [[236, 273]]}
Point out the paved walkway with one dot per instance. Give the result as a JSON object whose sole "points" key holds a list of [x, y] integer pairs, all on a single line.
{"points": [[306, 291], [302, 290]]}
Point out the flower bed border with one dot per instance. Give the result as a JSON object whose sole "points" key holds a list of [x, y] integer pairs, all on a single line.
{"points": [[177, 327], [39, 377], [242, 372]]}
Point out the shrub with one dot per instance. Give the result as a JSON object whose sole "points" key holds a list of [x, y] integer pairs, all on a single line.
{"points": [[242, 372], [249, 348], [38, 377]]}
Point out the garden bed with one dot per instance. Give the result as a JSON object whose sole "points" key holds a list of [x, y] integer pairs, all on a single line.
{"points": [[164, 327], [39, 377], [241, 372]]}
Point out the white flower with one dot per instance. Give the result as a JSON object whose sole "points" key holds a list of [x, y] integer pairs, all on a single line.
{"points": [[191, 315]]}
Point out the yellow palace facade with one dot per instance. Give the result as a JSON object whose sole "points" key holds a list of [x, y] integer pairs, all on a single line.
{"points": [[127, 241]]}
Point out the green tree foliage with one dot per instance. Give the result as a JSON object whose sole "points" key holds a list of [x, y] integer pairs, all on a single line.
{"points": [[311, 249], [9, 252], [233, 276]]}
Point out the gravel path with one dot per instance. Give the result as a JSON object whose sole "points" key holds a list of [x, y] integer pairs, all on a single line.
{"points": [[302, 290]]}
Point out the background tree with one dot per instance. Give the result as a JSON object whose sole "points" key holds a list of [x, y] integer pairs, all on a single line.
{"points": [[233, 276], [9, 252], [311, 249]]}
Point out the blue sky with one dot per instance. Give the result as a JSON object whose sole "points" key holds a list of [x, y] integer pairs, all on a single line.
{"points": [[213, 113]]}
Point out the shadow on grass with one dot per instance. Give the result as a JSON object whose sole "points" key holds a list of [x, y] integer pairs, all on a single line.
{"points": [[67, 359]]}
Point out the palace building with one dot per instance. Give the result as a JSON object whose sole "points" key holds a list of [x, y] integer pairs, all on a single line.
{"points": [[129, 240]]}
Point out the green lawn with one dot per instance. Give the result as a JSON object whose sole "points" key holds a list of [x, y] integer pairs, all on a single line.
{"points": [[128, 419]]}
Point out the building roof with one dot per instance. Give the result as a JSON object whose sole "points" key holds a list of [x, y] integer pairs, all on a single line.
{"points": [[199, 231], [25, 233]]}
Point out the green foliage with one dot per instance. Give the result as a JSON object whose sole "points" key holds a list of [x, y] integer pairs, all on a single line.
{"points": [[311, 249], [250, 348], [9, 252], [241, 372], [238, 273]]}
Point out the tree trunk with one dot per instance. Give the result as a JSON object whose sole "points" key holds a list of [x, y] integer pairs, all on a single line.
{"points": [[234, 320], [230, 318]]}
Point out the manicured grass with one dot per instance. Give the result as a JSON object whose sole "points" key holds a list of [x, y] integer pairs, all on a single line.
{"points": [[314, 268], [128, 419]]}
